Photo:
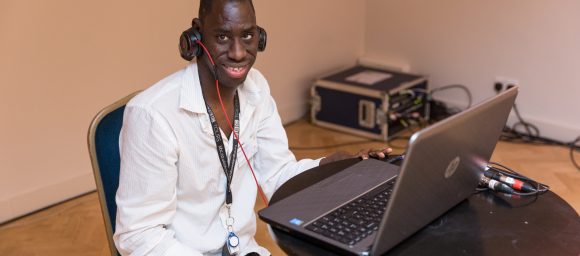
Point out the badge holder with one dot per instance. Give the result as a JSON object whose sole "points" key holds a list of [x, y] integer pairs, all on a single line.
{"points": [[233, 241]]}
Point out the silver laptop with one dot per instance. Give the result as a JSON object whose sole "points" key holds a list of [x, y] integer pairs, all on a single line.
{"points": [[371, 206]]}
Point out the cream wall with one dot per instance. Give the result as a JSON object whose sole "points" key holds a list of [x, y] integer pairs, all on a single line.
{"points": [[307, 39], [62, 61], [472, 42]]}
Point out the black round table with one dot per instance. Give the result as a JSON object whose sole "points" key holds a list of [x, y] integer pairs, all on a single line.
{"points": [[485, 224]]}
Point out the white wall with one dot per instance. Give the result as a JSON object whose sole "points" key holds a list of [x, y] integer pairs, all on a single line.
{"points": [[61, 61], [305, 40], [471, 42]]}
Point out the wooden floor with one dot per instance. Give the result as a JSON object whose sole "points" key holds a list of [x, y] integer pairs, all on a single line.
{"points": [[76, 226]]}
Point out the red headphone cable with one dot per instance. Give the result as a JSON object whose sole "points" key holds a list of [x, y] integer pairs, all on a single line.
{"points": [[260, 191]]}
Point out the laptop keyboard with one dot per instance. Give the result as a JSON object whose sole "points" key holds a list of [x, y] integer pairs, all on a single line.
{"points": [[357, 219]]}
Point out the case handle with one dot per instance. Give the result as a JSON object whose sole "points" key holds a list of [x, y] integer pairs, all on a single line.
{"points": [[366, 113]]}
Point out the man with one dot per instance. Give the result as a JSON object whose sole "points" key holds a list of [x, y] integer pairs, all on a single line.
{"points": [[176, 196]]}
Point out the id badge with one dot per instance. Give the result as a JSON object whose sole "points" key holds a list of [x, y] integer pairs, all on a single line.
{"points": [[233, 242]]}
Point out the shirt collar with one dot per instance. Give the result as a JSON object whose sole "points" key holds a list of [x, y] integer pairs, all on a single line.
{"points": [[191, 97]]}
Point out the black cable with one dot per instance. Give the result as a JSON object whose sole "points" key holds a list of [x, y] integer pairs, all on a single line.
{"points": [[513, 173], [456, 86], [395, 138], [513, 136], [527, 126], [438, 109], [506, 171], [532, 136]]}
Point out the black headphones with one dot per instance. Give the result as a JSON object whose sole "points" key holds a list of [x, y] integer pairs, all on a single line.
{"points": [[189, 49]]}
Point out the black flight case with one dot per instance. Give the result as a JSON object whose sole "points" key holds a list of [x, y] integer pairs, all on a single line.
{"points": [[370, 102]]}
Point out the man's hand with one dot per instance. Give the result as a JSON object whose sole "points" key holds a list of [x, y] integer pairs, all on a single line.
{"points": [[363, 154]]}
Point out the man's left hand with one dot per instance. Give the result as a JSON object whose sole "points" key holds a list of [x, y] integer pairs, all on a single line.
{"points": [[363, 154]]}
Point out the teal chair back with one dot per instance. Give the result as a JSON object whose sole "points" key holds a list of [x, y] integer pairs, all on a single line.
{"points": [[103, 141]]}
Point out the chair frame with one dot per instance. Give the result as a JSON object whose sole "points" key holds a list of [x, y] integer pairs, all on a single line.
{"points": [[97, 171]]}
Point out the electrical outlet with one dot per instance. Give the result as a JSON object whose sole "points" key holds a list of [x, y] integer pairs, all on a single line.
{"points": [[502, 83]]}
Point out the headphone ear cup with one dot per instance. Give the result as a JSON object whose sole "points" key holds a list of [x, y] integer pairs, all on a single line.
{"points": [[263, 39], [188, 46]]}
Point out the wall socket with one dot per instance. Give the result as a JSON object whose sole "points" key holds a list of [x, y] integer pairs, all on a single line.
{"points": [[501, 83]]}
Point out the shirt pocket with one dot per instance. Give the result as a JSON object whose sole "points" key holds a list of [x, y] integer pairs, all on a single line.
{"points": [[250, 146]]}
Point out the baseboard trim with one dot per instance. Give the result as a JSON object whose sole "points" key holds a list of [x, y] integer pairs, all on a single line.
{"points": [[548, 129], [32, 200], [293, 112]]}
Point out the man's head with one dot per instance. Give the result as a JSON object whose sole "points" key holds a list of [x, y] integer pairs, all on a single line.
{"points": [[229, 32], [205, 7]]}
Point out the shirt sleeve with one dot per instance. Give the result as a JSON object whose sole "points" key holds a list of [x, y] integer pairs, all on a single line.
{"points": [[146, 197], [274, 160]]}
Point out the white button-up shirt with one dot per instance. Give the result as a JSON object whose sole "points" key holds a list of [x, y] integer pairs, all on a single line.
{"points": [[171, 192]]}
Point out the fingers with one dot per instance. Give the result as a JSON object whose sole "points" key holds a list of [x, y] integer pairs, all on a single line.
{"points": [[363, 153], [375, 153]]}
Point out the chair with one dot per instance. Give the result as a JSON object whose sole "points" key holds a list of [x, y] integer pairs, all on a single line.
{"points": [[103, 141]]}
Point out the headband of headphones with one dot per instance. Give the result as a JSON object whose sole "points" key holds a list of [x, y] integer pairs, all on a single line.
{"points": [[189, 49]]}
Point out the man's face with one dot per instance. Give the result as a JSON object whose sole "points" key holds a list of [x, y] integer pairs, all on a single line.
{"points": [[230, 34]]}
